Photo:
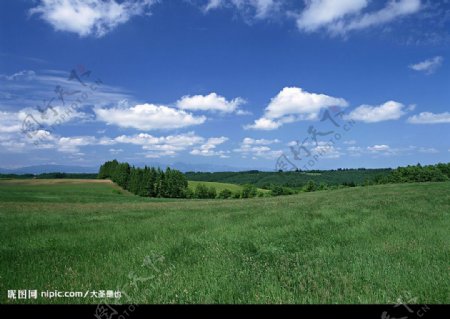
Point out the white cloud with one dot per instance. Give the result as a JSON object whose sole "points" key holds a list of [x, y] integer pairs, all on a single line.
{"points": [[294, 104], [293, 100], [429, 118], [154, 146], [264, 124], [150, 142], [31, 120], [326, 150], [379, 148], [44, 140], [115, 151], [251, 141], [386, 150], [257, 149], [350, 142], [259, 9], [428, 66], [341, 17], [210, 102], [25, 75], [213, 4], [390, 110], [148, 117], [73, 144], [428, 150], [319, 13], [172, 144], [391, 12], [89, 17], [10, 122], [355, 150], [209, 148], [31, 89]]}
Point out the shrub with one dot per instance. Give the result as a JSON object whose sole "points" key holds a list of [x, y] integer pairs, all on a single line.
{"points": [[249, 191], [189, 193], [277, 190], [201, 191], [225, 193], [212, 193], [310, 186]]}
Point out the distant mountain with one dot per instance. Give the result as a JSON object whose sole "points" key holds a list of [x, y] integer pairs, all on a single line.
{"points": [[39, 169], [187, 167], [184, 167]]}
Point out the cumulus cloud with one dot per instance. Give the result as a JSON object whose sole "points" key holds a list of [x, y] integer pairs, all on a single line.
{"points": [[153, 146], [294, 104], [9, 122], [390, 110], [211, 102], [428, 66], [149, 142], [73, 144], [430, 118], [341, 17], [172, 144], [326, 150], [252, 141], [209, 148], [89, 17], [264, 124], [148, 117], [257, 148]]}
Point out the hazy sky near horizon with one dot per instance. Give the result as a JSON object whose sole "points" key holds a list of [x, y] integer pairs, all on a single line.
{"points": [[321, 83]]}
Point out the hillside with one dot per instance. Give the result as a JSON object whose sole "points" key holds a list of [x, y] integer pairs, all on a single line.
{"points": [[355, 245], [290, 179], [220, 186]]}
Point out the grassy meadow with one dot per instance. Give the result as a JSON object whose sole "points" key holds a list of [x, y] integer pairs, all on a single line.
{"points": [[355, 245], [221, 186]]}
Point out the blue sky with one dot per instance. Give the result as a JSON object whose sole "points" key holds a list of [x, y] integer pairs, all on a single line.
{"points": [[241, 83]]}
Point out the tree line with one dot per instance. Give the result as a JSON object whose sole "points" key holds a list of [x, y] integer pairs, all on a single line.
{"points": [[290, 179], [171, 183], [415, 174], [147, 181]]}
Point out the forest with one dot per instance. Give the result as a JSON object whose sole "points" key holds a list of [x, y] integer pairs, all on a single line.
{"points": [[147, 181]]}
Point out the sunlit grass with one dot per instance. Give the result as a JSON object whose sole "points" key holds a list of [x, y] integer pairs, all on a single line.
{"points": [[355, 245]]}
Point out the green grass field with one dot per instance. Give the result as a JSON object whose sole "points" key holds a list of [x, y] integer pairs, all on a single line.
{"points": [[221, 186], [355, 245]]}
